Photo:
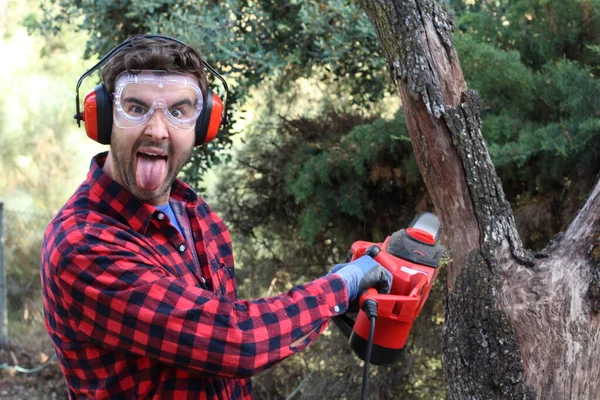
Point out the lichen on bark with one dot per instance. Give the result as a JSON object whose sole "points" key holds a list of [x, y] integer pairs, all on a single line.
{"points": [[594, 254], [402, 33], [480, 352], [492, 209]]}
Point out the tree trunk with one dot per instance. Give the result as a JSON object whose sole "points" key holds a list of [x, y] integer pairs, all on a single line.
{"points": [[517, 326]]}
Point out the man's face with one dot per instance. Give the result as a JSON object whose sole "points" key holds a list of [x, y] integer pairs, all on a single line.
{"points": [[152, 134]]}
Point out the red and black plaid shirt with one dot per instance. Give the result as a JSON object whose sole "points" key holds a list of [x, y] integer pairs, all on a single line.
{"points": [[134, 313]]}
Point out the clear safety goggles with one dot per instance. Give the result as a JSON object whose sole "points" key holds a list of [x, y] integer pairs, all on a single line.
{"points": [[138, 95]]}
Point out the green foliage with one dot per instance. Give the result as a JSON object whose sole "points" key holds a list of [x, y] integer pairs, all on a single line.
{"points": [[42, 156], [541, 31], [527, 115], [37, 149], [23, 232], [332, 179], [499, 76], [568, 90], [535, 64]]}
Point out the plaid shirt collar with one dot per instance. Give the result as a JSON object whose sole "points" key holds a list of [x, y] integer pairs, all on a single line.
{"points": [[118, 202]]}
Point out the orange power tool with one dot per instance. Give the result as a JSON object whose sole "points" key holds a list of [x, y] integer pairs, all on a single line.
{"points": [[412, 256]]}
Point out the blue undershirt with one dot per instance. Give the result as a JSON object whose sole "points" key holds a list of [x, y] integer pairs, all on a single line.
{"points": [[169, 211]]}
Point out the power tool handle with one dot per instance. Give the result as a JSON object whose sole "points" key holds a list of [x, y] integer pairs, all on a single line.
{"points": [[369, 293]]}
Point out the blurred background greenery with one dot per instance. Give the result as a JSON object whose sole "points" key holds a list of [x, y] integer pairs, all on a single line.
{"points": [[318, 154]]}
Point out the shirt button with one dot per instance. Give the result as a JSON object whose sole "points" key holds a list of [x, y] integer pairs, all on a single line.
{"points": [[336, 309], [182, 248], [161, 216]]}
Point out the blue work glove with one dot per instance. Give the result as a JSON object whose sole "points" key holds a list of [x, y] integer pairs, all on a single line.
{"points": [[362, 274]]}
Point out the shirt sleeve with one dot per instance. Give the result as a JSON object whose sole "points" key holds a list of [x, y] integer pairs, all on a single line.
{"points": [[120, 300]]}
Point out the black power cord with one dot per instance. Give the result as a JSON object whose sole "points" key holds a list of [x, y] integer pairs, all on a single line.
{"points": [[370, 307]]}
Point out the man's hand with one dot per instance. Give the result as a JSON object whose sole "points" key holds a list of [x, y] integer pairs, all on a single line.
{"points": [[362, 274]]}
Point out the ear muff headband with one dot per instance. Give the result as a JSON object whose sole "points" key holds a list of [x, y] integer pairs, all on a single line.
{"points": [[97, 110]]}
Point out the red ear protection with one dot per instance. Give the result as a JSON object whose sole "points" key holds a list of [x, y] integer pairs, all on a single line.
{"points": [[98, 108], [97, 115]]}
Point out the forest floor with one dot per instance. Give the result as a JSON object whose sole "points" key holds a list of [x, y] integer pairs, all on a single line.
{"points": [[49, 383]]}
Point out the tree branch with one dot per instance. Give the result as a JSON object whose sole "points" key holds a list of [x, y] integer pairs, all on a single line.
{"points": [[580, 230]]}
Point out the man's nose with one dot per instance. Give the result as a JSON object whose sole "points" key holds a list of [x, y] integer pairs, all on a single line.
{"points": [[157, 126]]}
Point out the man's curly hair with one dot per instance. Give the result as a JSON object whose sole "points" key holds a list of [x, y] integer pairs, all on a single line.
{"points": [[155, 54]]}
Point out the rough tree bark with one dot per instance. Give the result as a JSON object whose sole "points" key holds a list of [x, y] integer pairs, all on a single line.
{"points": [[517, 326]]}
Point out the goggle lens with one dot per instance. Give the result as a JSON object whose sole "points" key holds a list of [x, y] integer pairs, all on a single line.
{"points": [[138, 96]]}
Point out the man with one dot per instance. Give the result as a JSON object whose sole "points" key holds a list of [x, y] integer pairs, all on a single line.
{"points": [[137, 271]]}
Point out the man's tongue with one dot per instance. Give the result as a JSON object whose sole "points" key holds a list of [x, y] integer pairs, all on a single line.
{"points": [[150, 172]]}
